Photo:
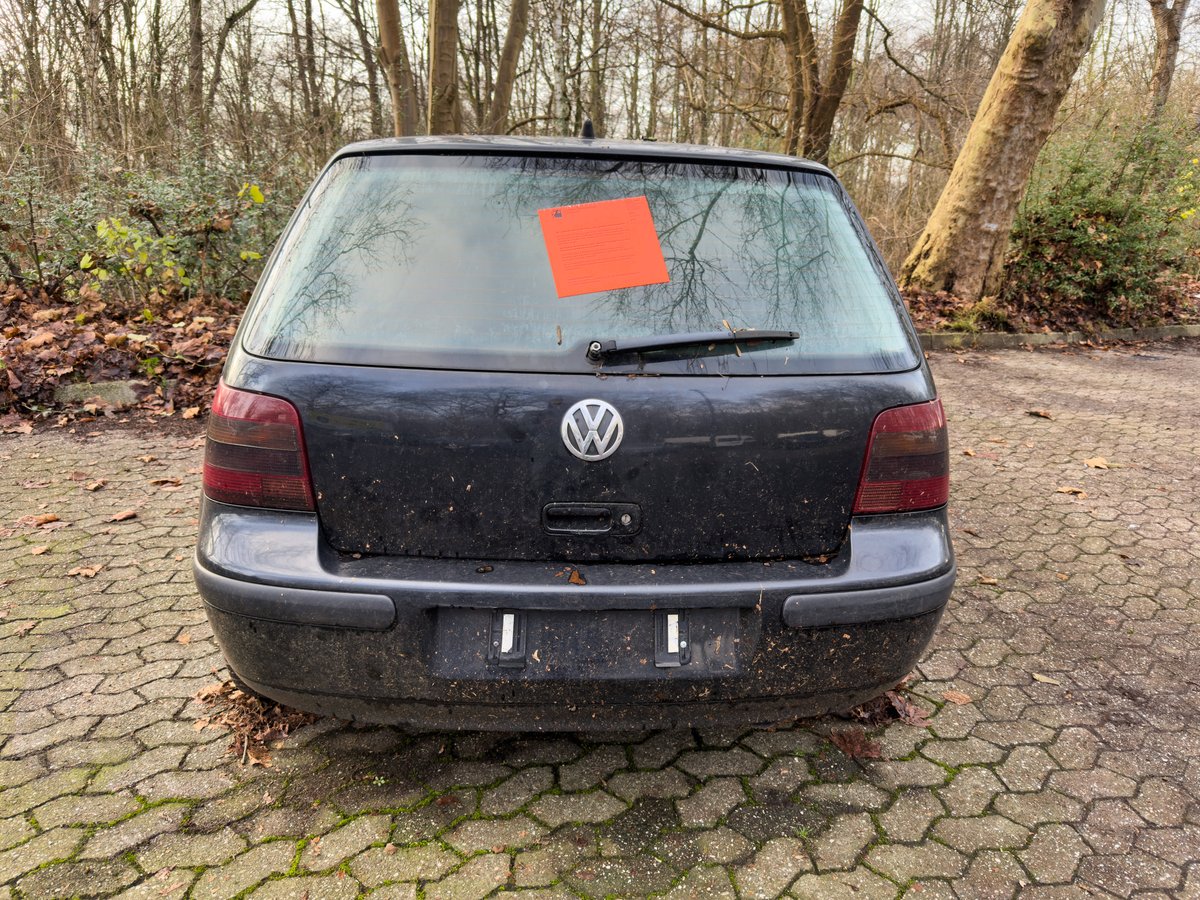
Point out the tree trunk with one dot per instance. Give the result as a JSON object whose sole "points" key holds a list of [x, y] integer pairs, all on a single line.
{"points": [[596, 73], [962, 247], [195, 79], [1168, 22], [506, 74], [822, 109], [393, 56], [443, 66]]}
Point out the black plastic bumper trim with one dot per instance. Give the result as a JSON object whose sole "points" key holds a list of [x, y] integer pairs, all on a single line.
{"points": [[300, 606], [872, 605]]}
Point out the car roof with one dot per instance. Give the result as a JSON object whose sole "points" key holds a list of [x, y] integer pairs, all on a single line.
{"points": [[504, 144]]}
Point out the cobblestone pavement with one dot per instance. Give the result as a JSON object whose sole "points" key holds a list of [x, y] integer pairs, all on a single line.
{"points": [[1074, 770]]}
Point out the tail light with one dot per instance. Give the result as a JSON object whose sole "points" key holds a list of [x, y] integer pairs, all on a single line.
{"points": [[255, 452], [908, 461]]}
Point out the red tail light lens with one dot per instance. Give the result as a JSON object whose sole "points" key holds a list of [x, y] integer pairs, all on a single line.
{"points": [[908, 461], [255, 452]]}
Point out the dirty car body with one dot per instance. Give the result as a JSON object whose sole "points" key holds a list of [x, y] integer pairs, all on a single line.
{"points": [[441, 489]]}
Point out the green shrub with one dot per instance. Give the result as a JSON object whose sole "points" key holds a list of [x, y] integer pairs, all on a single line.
{"points": [[141, 237], [1105, 225]]}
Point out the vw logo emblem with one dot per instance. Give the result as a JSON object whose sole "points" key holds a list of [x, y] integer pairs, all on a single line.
{"points": [[592, 430]]}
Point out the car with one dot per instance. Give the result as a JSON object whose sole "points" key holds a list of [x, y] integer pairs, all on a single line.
{"points": [[572, 434]]}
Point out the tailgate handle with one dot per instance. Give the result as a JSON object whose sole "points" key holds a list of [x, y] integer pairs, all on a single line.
{"points": [[591, 518]]}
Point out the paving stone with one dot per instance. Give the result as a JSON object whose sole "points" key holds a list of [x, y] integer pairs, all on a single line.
{"points": [[34, 793], [559, 809], [593, 769], [981, 833], [710, 803], [634, 876], [187, 851], [477, 878], [702, 883], [911, 815], [380, 865], [517, 791], [129, 833], [1097, 777], [841, 845], [548, 864], [329, 850], [927, 860], [1054, 854], [662, 747], [165, 884], [704, 764], [1034, 809], [781, 776], [15, 830], [255, 865], [58, 843], [971, 791], [1128, 872], [723, 845], [992, 875], [664, 784], [1161, 803], [857, 885], [310, 887], [772, 869], [85, 809], [94, 878], [475, 835]]}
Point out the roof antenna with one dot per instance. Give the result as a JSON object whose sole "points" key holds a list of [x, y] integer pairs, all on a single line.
{"points": [[588, 131]]}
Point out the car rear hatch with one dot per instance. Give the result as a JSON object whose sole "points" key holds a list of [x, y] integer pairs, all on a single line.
{"points": [[427, 333]]}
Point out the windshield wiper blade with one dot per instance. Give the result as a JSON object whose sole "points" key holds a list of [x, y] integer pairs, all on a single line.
{"points": [[600, 349]]}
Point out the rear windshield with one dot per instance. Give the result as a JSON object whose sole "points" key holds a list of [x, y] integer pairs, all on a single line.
{"points": [[446, 262]]}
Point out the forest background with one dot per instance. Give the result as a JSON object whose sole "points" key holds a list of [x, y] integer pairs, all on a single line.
{"points": [[152, 150]]}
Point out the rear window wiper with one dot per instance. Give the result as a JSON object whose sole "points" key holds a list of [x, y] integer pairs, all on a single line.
{"points": [[601, 349]]}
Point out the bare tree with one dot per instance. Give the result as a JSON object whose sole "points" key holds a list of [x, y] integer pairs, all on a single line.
{"points": [[1168, 24], [444, 110], [962, 247], [393, 56], [506, 73]]}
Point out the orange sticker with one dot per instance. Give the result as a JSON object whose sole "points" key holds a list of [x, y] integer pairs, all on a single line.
{"points": [[602, 246]]}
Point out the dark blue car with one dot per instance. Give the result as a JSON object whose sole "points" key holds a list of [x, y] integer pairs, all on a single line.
{"points": [[574, 434]]}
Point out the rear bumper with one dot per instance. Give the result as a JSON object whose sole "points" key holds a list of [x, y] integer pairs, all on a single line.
{"points": [[407, 640]]}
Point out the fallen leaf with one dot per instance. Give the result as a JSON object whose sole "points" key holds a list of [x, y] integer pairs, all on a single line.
{"points": [[1045, 679], [909, 712], [24, 628], [1078, 492], [34, 484], [191, 412], [86, 571], [576, 577], [38, 551], [958, 698], [124, 516], [172, 482], [148, 458], [447, 800], [37, 521], [95, 485], [968, 452], [258, 756], [853, 741], [983, 579], [389, 848], [1039, 413], [1096, 462], [184, 638]]}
